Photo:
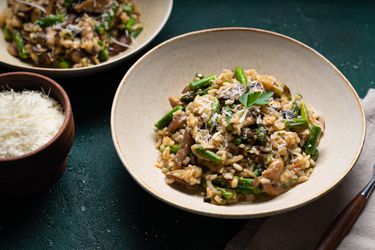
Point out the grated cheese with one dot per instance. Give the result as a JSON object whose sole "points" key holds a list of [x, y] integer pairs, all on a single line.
{"points": [[28, 120]]}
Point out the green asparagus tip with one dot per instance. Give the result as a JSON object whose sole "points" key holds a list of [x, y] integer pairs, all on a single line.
{"points": [[240, 75]]}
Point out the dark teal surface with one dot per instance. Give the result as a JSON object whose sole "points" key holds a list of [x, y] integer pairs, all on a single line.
{"points": [[97, 205]]}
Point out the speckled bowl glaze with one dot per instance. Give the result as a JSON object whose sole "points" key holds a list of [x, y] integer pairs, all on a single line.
{"points": [[154, 15], [39, 169], [142, 98]]}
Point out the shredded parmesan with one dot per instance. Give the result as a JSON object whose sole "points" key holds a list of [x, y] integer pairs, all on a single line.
{"points": [[28, 120]]}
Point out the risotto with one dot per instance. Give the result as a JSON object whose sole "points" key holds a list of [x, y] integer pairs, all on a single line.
{"points": [[238, 136], [69, 33]]}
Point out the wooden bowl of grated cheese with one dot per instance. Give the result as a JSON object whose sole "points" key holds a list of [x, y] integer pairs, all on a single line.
{"points": [[36, 132]]}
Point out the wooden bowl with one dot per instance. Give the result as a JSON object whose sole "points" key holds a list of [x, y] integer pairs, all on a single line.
{"points": [[142, 98], [39, 169]]}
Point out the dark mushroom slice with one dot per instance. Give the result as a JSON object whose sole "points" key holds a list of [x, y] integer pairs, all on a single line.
{"points": [[122, 44], [76, 56], [71, 18], [18, 7], [174, 101], [272, 190], [12, 49], [38, 49], [51, 8], [176, 123], [187, 142], [36, 14], [186, 89], [91, 6], [45, 60]]}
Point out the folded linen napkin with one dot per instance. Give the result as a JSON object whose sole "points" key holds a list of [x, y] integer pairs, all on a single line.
{"points": [[303, 228]]}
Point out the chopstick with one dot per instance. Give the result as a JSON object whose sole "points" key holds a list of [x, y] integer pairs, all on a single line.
{"points": [[345, 220]]}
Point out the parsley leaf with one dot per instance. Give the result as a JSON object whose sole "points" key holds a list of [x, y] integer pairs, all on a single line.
{"points": [[259, 98]]}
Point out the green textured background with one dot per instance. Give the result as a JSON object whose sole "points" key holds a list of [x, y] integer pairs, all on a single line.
{"points": [[97, 204]]}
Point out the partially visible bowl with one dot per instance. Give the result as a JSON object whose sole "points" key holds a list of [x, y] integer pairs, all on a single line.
{"points": [[39, 169], [154, 15], [142, 98]]}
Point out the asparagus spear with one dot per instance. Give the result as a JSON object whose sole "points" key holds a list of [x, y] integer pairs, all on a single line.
{"points": [[240, 75], [295, 108], [20, 44], [136, 32], [189, 97], [7, 35], [206, 154], [301, 122], [167, 118], [304, 112], [202, 83], [245, 186], [310, 146], [248, 190], [228, 116], [215, 109], [297, 123], [226, 193], [128, 8], [129, 24]]}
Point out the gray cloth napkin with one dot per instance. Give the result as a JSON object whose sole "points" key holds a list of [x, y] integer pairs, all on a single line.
{"points": [[303, 228]]}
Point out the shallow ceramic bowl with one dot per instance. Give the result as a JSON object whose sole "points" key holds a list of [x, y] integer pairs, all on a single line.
{"points": [[154, 15], [39, 169], [142, 98]]}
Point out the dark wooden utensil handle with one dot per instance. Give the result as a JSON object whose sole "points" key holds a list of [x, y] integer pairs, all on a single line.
{"points": [[343, 222]]}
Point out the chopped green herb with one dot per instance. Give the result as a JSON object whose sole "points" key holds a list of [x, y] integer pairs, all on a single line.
{"points": [[50, 20], [259, 98]]}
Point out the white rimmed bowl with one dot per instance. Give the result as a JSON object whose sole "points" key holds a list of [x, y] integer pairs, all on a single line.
{"points": [[154, 15], [142, 98]]}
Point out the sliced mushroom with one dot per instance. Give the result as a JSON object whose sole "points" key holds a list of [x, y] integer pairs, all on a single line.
{"points": [[71, 18], [76, 56], [12, 49], [174, 101], [186, 89], [91, 6], [51, 8], [36, 14], [116, 48], [45, 60], [39, 49], [186, 143], [273, 190], [176, 123], [20, 7], [274, 170]]}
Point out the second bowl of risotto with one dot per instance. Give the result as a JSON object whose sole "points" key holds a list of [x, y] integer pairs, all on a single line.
{"points": [[236, 123], [70, 38]]}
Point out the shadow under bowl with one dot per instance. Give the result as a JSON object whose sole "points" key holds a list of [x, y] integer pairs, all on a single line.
{"points": [[36, 171]]}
